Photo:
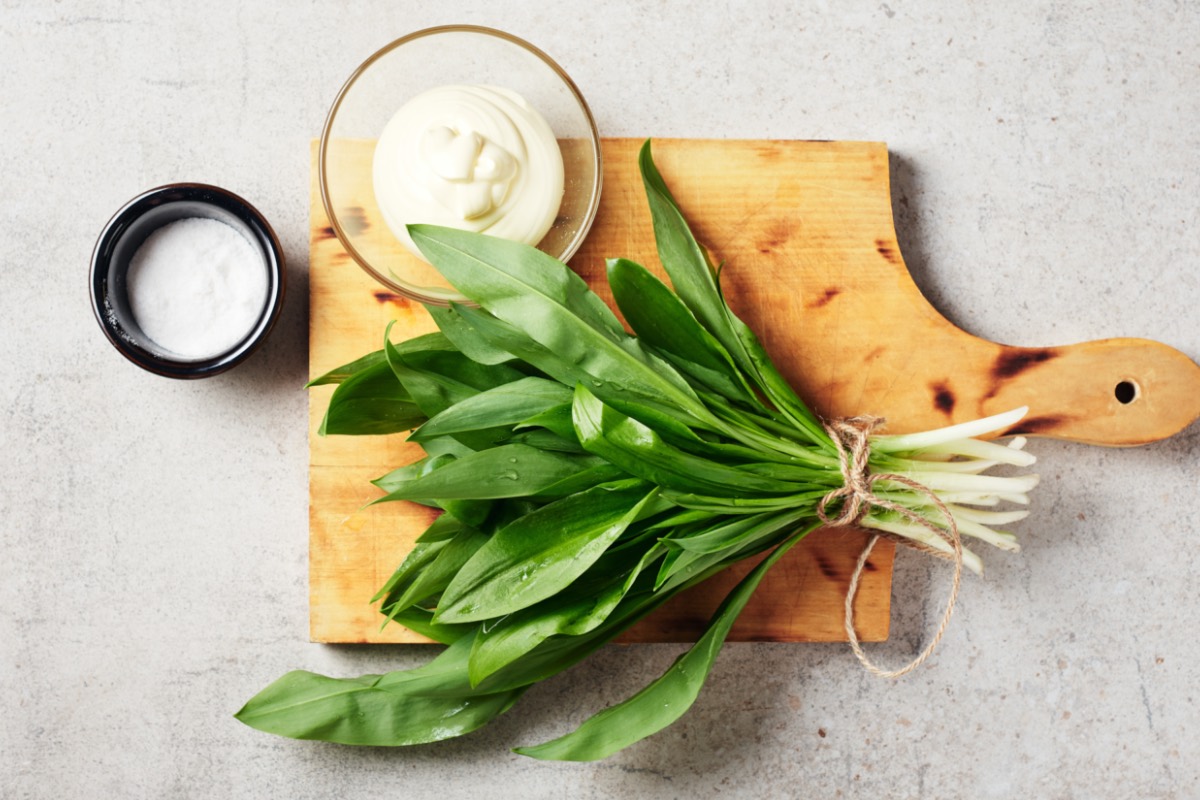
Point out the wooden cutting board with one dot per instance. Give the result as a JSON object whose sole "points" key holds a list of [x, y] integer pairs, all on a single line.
{"points": [[812, 264]]}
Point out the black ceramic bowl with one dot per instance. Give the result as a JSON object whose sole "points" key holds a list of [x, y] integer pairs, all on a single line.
{"points": [[126, 232]]}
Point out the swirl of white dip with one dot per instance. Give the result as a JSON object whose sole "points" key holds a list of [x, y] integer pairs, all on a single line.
{"points": [[478, 158]]}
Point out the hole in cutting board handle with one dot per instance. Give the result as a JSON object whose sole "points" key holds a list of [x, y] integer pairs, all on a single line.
{"points": [[1126, 392]]}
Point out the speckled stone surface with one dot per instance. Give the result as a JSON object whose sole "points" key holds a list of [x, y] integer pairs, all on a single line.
{"points": [[153, 533]]}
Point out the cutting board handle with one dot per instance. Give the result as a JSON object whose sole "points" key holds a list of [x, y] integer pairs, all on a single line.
{"points": [[1116, 392]]}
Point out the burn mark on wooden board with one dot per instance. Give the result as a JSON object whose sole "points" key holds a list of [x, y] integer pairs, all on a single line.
{"points": [[824, 298], [827, 568], [1013, 361], [885, 249], [943, 398], [1036, 425], [391, 297]]}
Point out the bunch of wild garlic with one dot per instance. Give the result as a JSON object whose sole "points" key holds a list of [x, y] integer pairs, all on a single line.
{"points": [[587, 475]]}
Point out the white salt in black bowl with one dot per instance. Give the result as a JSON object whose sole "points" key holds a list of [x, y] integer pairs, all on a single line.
{"points": [[125, 234]]}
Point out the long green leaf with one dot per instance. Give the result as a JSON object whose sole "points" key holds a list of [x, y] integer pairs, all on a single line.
{"points": [[513, 470], [652, 411], [552, 305], [595, 475], [419, 619], [696, 284], [660, 320], [442, 529], [517, 634], [427, 704], [504, 405], [340, 374], [557, 420], [413, 567], [640, 451], [439, 377], [559, 653], [739, 531], [580, 609], [534, 433], [513, 281], [434, 576], [459, 330], [742, 505], [370, 402], [692, 275], [470, 511], [666, 699], [402, 476], [539, 555], [446, 446]]}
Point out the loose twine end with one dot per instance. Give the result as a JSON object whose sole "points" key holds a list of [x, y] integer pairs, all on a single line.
{"points": [[851, 438]]}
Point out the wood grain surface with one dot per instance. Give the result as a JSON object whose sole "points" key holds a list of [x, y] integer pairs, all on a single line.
{"points": [[811, 262]]}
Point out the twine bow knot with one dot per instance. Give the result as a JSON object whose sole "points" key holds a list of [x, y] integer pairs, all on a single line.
{"points": [[850, 436]]}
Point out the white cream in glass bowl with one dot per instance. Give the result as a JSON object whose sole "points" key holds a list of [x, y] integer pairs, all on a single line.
{"points": [[462, 126], [479, 158]]}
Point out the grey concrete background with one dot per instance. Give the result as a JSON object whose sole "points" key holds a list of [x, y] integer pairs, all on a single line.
{"points": [[152, 533]]}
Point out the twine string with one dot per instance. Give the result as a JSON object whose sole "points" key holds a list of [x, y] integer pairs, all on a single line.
{"points": [[850, 437]]}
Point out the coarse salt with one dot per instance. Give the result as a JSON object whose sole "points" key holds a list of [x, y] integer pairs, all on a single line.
{"points": [[197, 287]]}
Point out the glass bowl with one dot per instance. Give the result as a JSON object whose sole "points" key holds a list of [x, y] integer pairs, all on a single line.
{"points": [[129, 229], [452, 54]]}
